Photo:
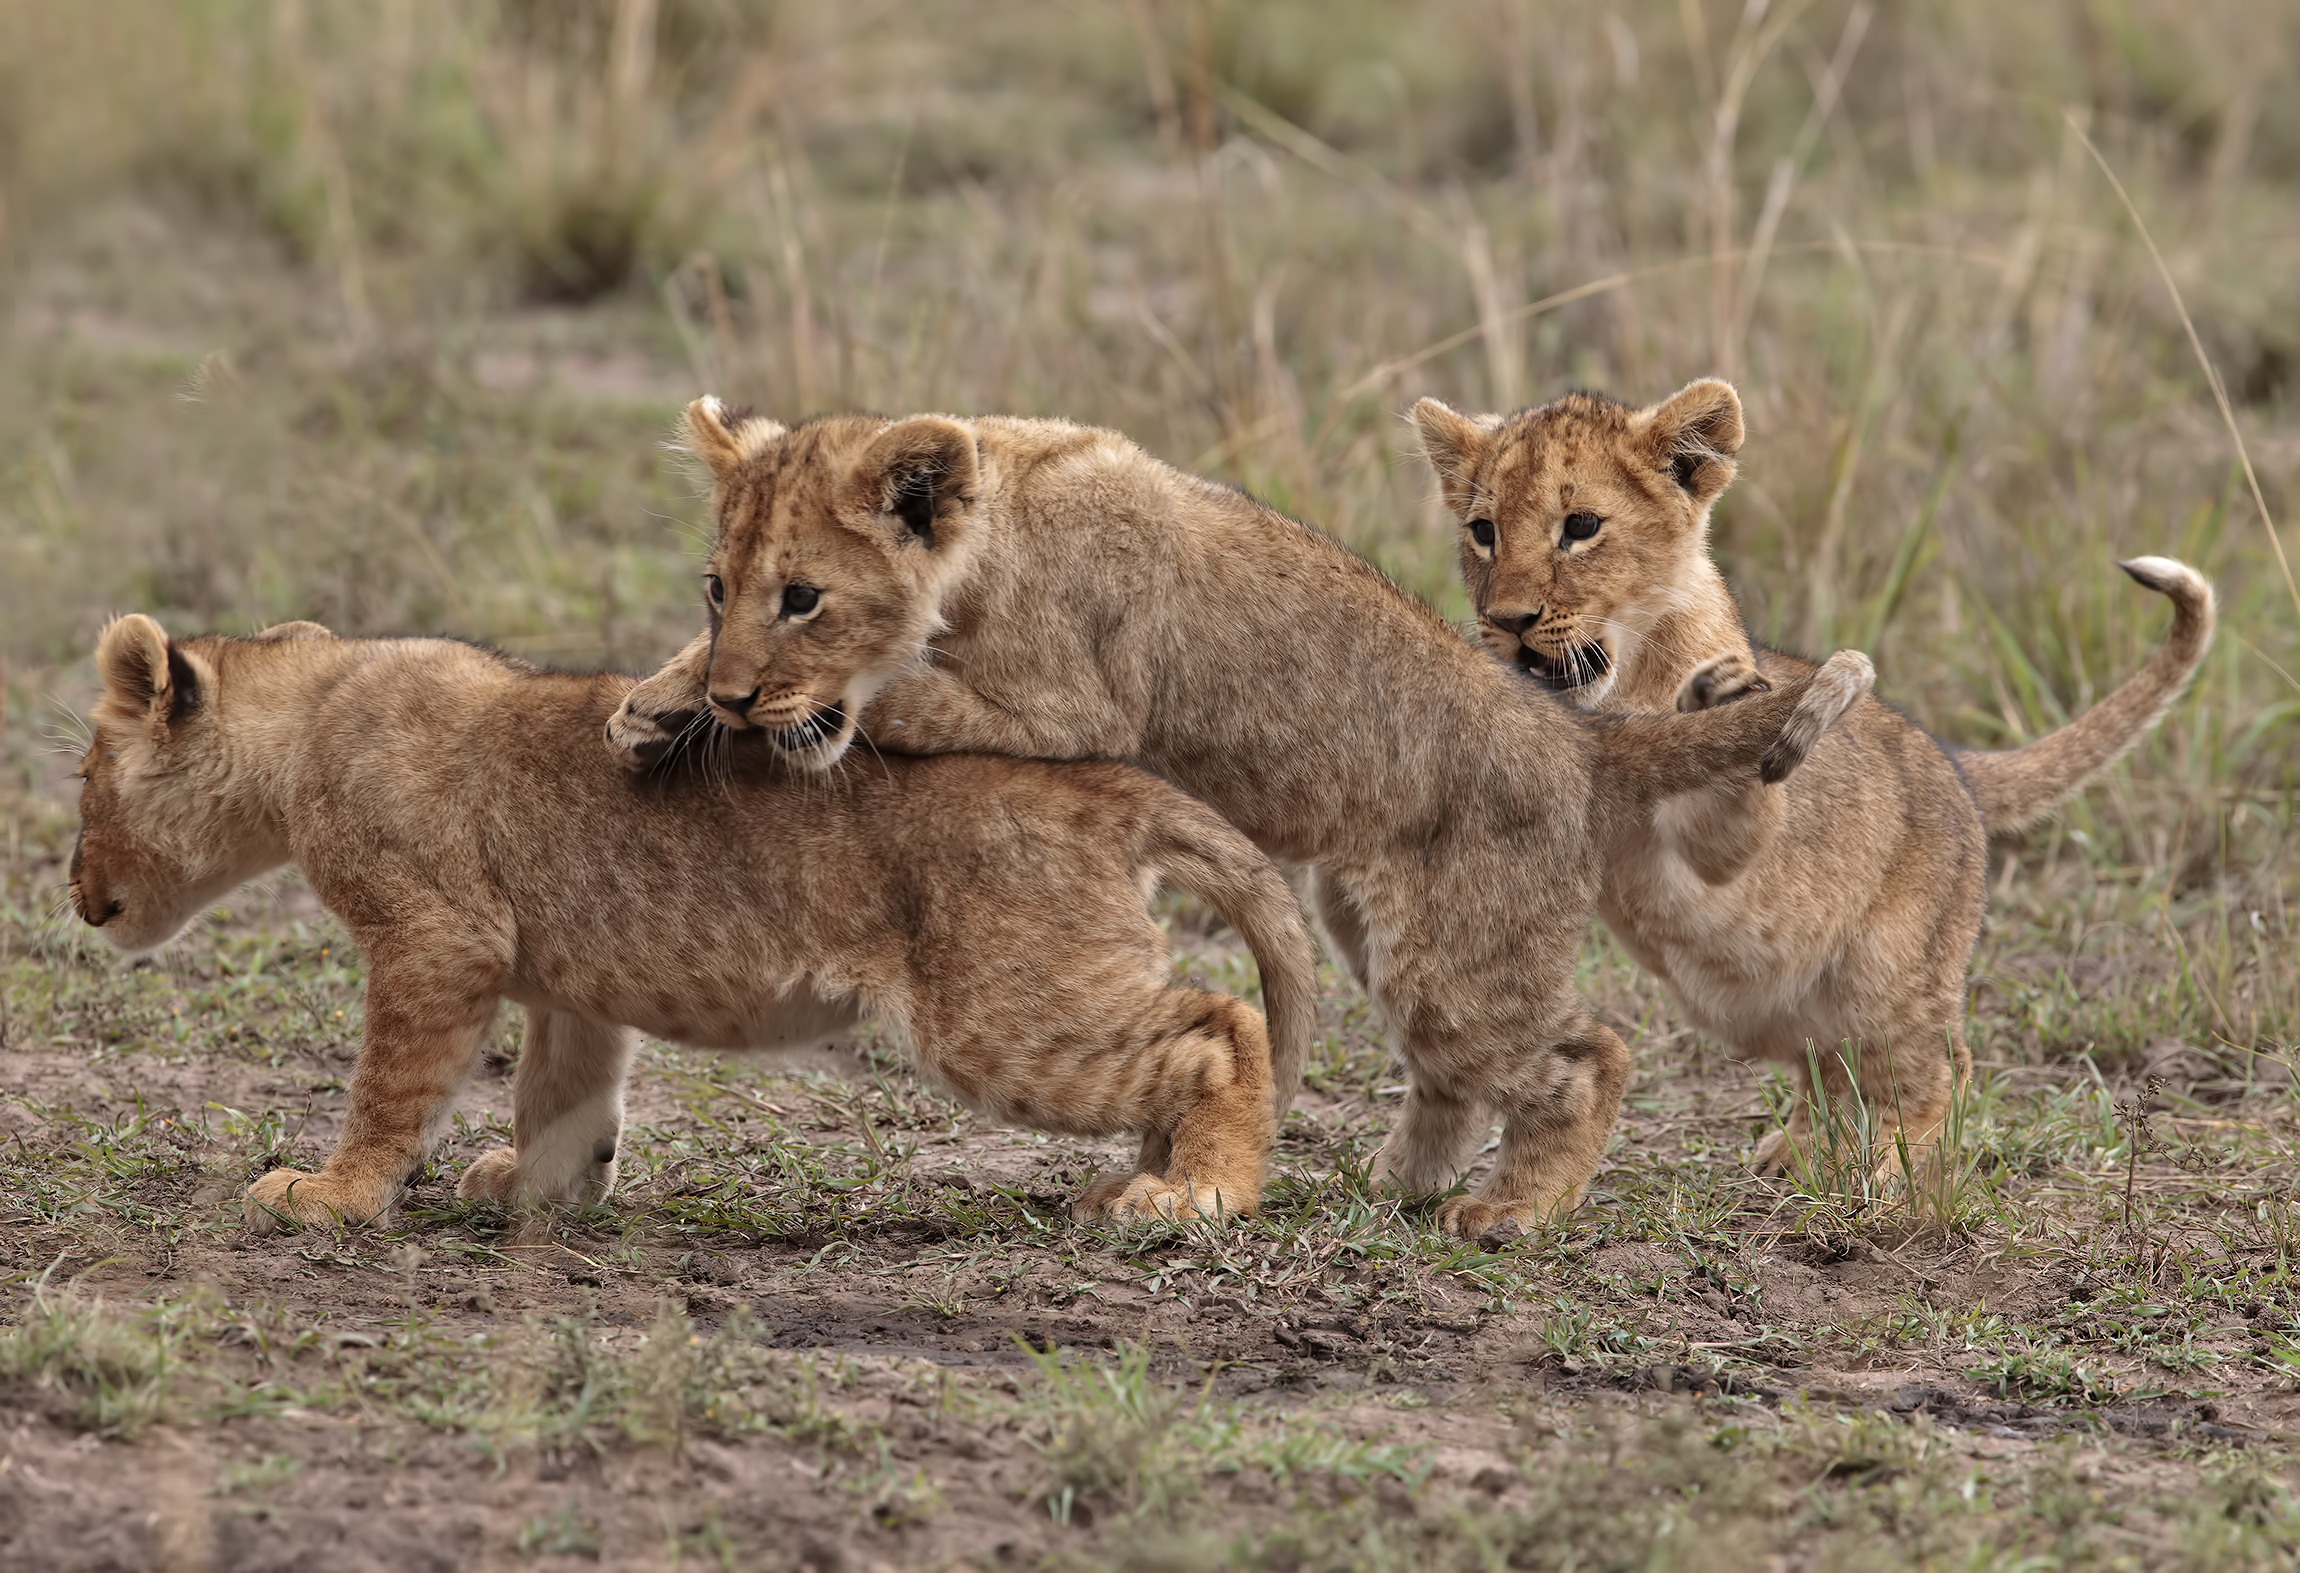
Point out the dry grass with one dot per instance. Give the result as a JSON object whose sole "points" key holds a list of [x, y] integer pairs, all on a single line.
{"points": [[378, 314]]}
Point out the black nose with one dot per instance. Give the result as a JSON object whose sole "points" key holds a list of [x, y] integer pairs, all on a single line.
{"points": [[1514, 622], [740, 704]]}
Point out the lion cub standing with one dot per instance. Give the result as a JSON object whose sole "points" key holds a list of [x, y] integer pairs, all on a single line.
{"points": [[1834, 912], [453, 808], [1035, 588]]}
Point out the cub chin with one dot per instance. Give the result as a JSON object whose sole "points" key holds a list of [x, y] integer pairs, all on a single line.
{"points": [[453, 809], [1825, 919]]}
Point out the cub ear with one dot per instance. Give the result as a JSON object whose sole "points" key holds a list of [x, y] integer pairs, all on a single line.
{"points": [[1453, 443], [925, 473], [723, 438], [282, 632], [1694, 434], [145, 676]]}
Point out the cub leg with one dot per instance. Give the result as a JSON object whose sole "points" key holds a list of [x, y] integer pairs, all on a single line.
{"points": [[927, 710], [1910, 1084], [1791, 1144], [1431, 1139], [663, 708], [567, 1115], [426, 1010], [1206, 1092], [1719, 829], [1555, 1126], [1345, 925]]}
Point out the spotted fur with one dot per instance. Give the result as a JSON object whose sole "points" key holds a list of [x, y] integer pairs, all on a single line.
{"points": [[1823, 916], [454, 810], [1075, 598]]}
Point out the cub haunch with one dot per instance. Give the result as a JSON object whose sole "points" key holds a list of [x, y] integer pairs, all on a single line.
{"points": [[1034, 588], [453, 809]]}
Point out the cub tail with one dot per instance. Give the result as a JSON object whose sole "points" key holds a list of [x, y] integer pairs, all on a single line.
{"points": [[1648, 758], [1203, 853], [2018, 786]]}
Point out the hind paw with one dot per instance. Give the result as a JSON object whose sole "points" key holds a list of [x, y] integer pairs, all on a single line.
{"points": [[1719, 682], [492, 1177]]}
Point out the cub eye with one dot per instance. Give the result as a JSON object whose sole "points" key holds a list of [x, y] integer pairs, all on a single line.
{"points": [[1481, 531], [716, 588], [799, 599], [1581, 526]]}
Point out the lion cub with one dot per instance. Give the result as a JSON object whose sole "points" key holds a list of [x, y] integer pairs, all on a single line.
{"points": [[1834, 912], [453, 808], [1031, 587]]}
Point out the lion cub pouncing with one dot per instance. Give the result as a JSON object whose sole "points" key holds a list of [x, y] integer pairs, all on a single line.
{"points": [[1035, 588], [454, 809], [1829, 916]]}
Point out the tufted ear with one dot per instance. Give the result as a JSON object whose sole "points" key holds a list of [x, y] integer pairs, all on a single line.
{"points": [[146, 678], [1453, 443], [924, 473], [1693, 436], [723, 438]]}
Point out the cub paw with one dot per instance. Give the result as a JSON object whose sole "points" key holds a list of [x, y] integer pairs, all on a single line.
{"points": [[492, 1177], [639, 738], [292, 1199], [1140, 1197], [1720, 681], [1842, 679], [1776, 1154], [1492, 1223]]}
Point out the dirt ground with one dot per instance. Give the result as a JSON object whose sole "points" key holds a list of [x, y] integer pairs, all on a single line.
{"points": [[834, 1322]]}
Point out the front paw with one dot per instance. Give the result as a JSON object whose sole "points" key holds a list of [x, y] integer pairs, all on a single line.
{"points": [[292, 1199], [1141, 1197], [641, 738], [1720, 681]]}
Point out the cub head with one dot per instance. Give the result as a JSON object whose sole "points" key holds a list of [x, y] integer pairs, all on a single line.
{"points": [[167, 824], [836, 543], [1580, 519]]}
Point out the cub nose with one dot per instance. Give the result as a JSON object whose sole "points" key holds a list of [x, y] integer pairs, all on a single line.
{"points": [[1511, 620], [738, 705]]}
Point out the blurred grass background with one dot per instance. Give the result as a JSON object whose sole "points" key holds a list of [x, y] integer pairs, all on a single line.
{"points": [[378, 314]]}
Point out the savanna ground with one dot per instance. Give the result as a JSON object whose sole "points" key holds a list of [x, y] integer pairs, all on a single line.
{"points": [[378, 315]]}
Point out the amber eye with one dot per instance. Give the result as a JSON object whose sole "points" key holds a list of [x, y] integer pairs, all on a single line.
{"points": [[716, 588], [1581, 526], [1481, 531], [800, 599]]}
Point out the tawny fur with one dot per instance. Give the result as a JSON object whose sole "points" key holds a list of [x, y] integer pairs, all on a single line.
{"points": [[454, 809], [1829, 918], [1031, 587]]}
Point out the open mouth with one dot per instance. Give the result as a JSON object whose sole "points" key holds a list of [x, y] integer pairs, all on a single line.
{"points": [[814, 731], [1578, 667]]}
